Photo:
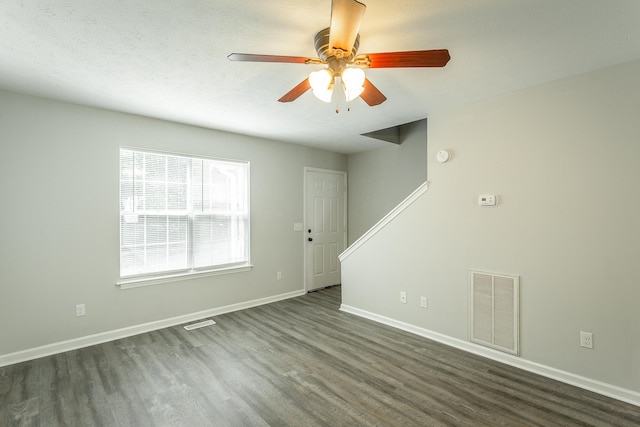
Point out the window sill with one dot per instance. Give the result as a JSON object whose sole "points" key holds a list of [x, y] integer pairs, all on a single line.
{"points": [[156, 280]]}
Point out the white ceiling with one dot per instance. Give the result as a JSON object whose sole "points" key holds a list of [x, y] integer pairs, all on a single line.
{"points": [[168, 59]]}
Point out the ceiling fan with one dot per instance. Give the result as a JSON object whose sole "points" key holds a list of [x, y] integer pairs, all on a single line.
{"points": [[337, 47]]}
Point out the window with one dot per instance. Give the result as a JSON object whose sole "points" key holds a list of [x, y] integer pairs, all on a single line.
{"points": [[181, 214]]}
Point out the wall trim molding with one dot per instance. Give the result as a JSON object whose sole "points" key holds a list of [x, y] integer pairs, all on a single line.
{"points": [[385, 220], [615, 392], [102, 337]]}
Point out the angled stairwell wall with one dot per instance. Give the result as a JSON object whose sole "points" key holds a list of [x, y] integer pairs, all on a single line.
{"points": [[562, 159]]}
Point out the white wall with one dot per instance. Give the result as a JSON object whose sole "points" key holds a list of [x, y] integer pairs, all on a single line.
{"points": [[59, 220], [563, 159], [380, 179]]}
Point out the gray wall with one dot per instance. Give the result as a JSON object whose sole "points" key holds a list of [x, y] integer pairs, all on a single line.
{"points": [[563, 159], [380, 179], [59, 220]]}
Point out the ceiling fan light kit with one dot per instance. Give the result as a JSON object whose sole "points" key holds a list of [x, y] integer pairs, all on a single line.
{"points": [[337, 48], [323, 81]]}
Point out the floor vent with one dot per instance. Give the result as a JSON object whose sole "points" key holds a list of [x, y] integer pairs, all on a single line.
{"points": [[199, 325], [494, 310]]}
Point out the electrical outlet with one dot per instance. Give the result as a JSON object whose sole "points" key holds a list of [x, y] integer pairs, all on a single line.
{"points": [[80, 310], [403, 297], [279, 275], [424, 302], [586, 339]]}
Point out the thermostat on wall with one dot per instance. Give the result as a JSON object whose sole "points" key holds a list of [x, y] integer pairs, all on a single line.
{"points": [[442, 156], [487, 200]]}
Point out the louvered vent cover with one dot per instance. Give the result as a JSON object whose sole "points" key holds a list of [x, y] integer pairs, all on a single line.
{"points": [[494, 310]]}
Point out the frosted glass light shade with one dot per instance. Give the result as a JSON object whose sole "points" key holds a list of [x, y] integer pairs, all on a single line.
{"points": [[323, 95], [352, 81], [322, 84]]}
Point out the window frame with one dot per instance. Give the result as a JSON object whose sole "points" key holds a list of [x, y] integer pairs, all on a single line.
{"points": [[191, 271]]}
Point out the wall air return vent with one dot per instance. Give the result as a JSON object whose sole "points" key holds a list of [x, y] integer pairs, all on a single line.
{"points": [[494, 310]]}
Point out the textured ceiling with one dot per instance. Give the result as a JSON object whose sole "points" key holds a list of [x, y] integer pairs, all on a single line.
{"points": [[167, 59]]}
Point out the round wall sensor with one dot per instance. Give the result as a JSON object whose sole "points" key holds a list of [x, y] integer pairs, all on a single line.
{"points": [[442, 156]]}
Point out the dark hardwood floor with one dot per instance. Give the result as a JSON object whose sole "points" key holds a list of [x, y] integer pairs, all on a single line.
{"points": [[299, 362]]}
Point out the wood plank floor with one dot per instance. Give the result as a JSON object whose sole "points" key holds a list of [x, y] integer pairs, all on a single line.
{"points": [[299, 362]]}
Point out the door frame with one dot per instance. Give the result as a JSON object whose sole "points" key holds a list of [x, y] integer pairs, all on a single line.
{"points": [[305, 202]]}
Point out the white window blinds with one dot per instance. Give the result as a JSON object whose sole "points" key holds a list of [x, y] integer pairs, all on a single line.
{"points": [[181, 213]]}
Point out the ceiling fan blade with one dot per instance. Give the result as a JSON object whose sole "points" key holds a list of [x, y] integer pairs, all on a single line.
{"points": [[371, 95], [268, 58], [346, 16], [412, 58], [295, 93]]}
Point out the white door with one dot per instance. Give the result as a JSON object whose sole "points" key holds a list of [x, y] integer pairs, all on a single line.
{"points": [[325, 231]]}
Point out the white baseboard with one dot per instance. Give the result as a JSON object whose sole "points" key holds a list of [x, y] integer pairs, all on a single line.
{"points": [[595, 386], [89, 340]]}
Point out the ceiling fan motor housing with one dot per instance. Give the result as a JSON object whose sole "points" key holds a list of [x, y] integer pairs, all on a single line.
{"points": [[332, 55]]}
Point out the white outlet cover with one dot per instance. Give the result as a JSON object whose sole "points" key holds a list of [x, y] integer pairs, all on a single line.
{"points": [[586, 339], [80, 310]]}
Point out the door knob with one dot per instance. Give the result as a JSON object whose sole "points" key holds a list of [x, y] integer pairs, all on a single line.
{"points": [[310, 239]]}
